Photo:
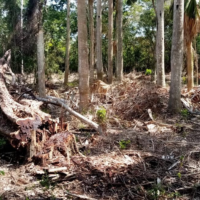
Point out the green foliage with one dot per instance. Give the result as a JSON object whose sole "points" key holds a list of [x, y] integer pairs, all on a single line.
{"points": [[148, 72], [2, 173], [179, 175], [156, 192], [2, 142], [101, 115], [124, 143], [185, 113], [191, 9], [184, 80], [45, 182]]}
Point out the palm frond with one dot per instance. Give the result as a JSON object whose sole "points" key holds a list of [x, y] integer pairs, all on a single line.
{"points": [[191, 9]]}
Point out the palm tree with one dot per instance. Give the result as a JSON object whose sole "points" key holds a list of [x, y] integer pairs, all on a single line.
{"points": [[191, 26], [67, 45], [176, 57], [83, 68]]}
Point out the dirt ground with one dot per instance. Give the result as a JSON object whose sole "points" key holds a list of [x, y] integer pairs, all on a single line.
{"points": [[141, 156]]}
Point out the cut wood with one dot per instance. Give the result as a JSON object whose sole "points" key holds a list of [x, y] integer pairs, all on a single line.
{"points": [[27, 127]]}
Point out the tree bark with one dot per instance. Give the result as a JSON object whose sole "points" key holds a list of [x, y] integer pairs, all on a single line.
{"points": [[99, 41], [67, 45], [176, 57], [91, 2], [160, 43], [119, 69], [110, 42], [41, 63], [83, 56], [190, 66]]}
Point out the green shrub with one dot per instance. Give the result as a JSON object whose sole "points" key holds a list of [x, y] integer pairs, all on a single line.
{"points": [[185, 113], [124, 143], [101, 116], [148, 72]]}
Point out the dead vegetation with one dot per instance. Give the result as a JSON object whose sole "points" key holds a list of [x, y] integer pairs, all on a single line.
{"points": [[145, 153]]}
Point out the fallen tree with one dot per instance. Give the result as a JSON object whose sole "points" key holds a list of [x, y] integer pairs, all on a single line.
{"points": [[27, 127]]}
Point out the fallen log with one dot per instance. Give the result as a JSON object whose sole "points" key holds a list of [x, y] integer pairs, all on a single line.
{"points": [[27, 127]]}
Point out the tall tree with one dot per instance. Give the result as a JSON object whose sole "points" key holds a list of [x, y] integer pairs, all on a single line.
{"points": [[110, 41], [40, 51], [22, 60], [83, 68], [91, 27], [176, 56], [119, 68], [99, 41], [191, 25], [67, 45], [160, 43]]}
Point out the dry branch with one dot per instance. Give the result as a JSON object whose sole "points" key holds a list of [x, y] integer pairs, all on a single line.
{"points": [[26, 126]]}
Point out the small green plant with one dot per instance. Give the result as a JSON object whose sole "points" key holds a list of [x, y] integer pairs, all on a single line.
{"points": [[2, 142], [101, 116], [45, 182], [2, 173], [184, 80], [148, 72], [124, 143], [184, 113], [156, 191], [179, 175]]}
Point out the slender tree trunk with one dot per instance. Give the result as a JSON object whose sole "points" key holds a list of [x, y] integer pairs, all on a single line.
{"points": [[99, 41], [196, 62], [120, 42], [40, 52], [83, 56], [91, 41], [190, 66], [41, 63], [22, 59], [67, 45], [110, 42], [176, 57], [160, 43]]}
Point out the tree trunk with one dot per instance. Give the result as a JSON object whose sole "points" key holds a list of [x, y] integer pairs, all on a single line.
{"points": [[190, 66], [160, 43], [83, 56], [120, 42], [40, 51], [99, 41], [41, 63], [22, 59], [196, 62], [110, 42], [91, 41], [176, 57], [67, 45]]}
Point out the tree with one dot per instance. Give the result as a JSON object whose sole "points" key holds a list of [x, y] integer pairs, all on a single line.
{"points": [[99, 41], [91, 27], [176, 57], [67, 44], [191, 26], [40, 52], [110, 41], [119, 67], [22, 61], [160, 67], [83, 68]]}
